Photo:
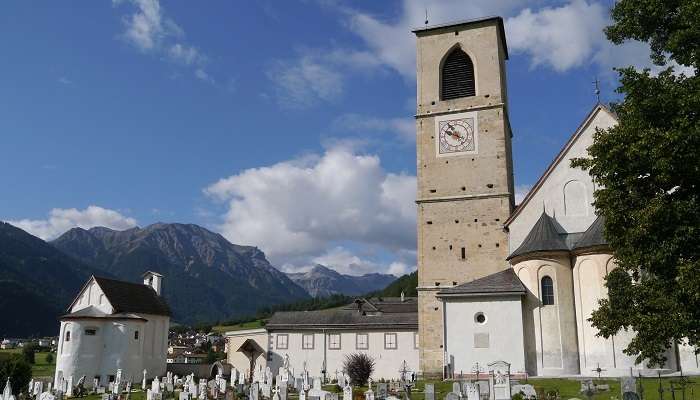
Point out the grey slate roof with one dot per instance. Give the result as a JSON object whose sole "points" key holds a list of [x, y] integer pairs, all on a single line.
{"points": [[503, 282], [542, 237], [128, 297], [387, 313], [593, 235]]}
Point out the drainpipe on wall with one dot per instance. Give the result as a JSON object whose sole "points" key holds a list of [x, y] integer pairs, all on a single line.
{"points": [[324, 356]]}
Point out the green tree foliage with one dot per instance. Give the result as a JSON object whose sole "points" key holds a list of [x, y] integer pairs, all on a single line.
{"points": [[359, 367], [18, 370], [407, 284], [29, 353], [49, 358], [647, 169]]}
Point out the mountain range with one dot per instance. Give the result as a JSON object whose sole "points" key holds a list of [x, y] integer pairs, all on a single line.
{"points": [[322, 281], [206, 278]]}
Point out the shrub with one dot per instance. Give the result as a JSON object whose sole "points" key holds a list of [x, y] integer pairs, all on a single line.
{"points": [[359, 367], [28, 351], [18, 370], [49, 358]]}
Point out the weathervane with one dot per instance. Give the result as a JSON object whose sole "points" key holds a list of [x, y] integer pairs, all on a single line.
{"points": [[596, 83]]}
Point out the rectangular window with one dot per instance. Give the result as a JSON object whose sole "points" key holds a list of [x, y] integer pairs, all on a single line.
{"points": [[334, 341], [362, 341], [90, 332], [416, 340], [307, 341], [136, 335], [67, 336], [464, 253], [390, 341], [282, 341]]}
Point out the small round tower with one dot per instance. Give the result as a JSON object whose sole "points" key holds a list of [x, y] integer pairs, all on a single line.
{"points": [[543, 264]]}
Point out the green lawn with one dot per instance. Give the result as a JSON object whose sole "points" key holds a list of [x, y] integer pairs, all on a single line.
{"points": [[40, 368], [237, 327]]}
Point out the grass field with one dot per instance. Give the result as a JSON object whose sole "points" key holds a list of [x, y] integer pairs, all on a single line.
{"points": [[40, 368], [237, 327]]}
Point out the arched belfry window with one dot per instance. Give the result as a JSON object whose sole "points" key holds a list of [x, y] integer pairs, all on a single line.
{"points": [[547, 291], [457, 76]]}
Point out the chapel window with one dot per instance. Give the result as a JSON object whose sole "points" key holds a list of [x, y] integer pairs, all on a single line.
{"points": [[547, 291], [307, 341], [67, 336], [457, 78], [362, 341], [390, 341], [334, 341]]}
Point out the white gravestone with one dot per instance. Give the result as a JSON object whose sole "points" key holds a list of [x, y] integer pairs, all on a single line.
{"points": [[69, 386], [143, 382], [429, 391], [347, 392], [7, 392], [472, 391], [38, 388], [499, 380]]}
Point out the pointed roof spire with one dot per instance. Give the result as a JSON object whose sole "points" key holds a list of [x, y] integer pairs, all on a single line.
{"points": [[542, 237]]}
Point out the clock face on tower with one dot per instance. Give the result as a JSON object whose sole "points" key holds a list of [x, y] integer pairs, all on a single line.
{"points": [[456, 134]]}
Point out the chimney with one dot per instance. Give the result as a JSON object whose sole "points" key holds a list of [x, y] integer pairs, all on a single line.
{"points": [[154, 280], [402, 298]]}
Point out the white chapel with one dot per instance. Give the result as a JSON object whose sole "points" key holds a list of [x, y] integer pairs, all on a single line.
{"points": [[114, 325]]}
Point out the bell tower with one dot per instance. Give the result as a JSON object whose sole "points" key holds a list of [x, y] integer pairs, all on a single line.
{"points": [[464, 166]]}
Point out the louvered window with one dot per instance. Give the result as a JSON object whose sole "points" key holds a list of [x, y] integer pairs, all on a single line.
{"points": [[457, 76]]}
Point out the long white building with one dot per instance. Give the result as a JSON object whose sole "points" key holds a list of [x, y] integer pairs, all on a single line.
{"points": [[114, 325], [384, 328]]}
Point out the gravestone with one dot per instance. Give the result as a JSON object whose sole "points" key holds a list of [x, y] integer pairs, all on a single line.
{"points": [[528, 391], [283, 391], [429, 391], [302, 394], [382, 391], [471, 391], [456, 388], [452, 396], [332, 396], [143, 382], [7, 392], [254, 389], [185, 396], [38, 388], [347, 392], [69, 386], [499, 380], [369, 394]]}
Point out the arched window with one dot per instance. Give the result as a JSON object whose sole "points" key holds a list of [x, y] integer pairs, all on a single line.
{"points": [[547, 291], [457, 78]]}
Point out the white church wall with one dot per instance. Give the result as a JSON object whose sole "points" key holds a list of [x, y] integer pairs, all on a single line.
{"points": [[567, 193], [387, 360], [552, 340], [92, 295], [499, 337], [114, 345], [688, 359], [598, 352]]}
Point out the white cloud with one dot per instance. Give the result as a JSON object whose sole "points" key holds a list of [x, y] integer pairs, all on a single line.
{"points": [[403, 128], [65, 81], [520, 192], [151, 31], [303, 82], [62, 219], [296, 210], [202, 75], [561, 37]]}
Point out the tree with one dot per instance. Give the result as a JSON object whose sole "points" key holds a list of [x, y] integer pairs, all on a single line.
{"points": [[49, 358], [647, 170], [18, 370], [359, 367], [29, 352]]}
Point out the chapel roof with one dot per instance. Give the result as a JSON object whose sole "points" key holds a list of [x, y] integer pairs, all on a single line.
{"points": [[542, 237], [503, 282], [128, 297], [593, 235]]}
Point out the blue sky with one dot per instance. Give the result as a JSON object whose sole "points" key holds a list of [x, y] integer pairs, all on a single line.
{"points": [[285, 124]]}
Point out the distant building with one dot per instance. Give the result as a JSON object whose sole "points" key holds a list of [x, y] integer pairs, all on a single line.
{"points": [[114, 325], [386, 329]]}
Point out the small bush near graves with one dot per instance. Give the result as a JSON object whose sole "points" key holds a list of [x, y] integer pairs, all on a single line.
{"points": [[49, 358], [359, 367], [18, 370]]}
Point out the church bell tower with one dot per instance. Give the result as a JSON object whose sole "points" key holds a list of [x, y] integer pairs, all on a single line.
{"points": [[464, 167]]}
